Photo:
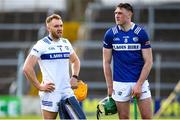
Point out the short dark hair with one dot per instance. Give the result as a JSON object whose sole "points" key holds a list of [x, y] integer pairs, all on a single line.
{"points": [[126, 6]]}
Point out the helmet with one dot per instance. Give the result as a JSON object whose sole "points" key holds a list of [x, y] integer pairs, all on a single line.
{"points": [[81, 91], [106, 106]]}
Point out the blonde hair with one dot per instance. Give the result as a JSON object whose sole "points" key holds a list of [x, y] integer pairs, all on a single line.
{"points": [[51, 17]]}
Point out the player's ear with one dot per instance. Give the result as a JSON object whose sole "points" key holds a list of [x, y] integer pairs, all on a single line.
{"points": [[130, 14], [48, 27]]}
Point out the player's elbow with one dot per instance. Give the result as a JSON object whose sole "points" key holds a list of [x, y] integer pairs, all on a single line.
{"points": [[77, 61], [25, 69], [149, 64], [106, 62]]}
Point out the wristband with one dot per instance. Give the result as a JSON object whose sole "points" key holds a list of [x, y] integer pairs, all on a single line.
{"points": [[75, 76]]}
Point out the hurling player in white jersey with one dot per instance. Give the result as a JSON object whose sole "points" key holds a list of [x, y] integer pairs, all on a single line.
{"points": [[53, 54], [127, 44]]}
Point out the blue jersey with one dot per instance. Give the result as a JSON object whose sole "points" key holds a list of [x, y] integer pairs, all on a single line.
{"points": [[126, 51]]}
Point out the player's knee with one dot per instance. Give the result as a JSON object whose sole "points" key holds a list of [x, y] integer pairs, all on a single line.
{"points": [[123, 115], [147, 116], [48, 115]]}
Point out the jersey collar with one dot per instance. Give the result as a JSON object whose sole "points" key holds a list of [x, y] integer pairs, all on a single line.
{"points": [[132, 26], [50, 38]]}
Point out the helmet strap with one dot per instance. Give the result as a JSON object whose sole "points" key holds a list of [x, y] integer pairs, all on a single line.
{"points": [[98, 113]]}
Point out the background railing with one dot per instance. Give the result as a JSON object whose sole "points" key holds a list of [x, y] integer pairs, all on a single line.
{"points": [[158, 63]]}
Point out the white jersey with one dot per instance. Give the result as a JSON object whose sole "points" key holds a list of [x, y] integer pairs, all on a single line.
{"points": [[54, 61]]}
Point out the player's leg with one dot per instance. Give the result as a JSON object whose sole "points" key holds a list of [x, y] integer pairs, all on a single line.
{"points": [[49, 104], [145, 102], [145, 108], [47, 115], [123, 109], [122, 95]]}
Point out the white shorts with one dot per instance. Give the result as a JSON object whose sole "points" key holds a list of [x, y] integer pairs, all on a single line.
{"points": [[122, 91], [49, 101]]}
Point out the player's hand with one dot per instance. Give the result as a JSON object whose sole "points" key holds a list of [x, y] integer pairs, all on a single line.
{"points": [[74, 83], [47, 87], [136, 90]]}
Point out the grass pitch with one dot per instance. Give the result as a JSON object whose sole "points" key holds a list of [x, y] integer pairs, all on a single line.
{"points": [[89, 106]]}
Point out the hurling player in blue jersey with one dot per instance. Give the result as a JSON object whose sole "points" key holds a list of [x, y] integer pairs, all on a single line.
{"points": [[54, 53], [127, 44]]}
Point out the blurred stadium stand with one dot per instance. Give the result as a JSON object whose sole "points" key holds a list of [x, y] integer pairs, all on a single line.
{"points": [[19, 29], [22, 24]]}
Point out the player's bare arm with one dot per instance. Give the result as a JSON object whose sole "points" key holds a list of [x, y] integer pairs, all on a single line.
{"points": [[75, 68], [148, 61], [29, 72], [107, 57]]}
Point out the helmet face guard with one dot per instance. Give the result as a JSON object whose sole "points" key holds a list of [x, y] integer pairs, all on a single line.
{"points": [[106, 106]]}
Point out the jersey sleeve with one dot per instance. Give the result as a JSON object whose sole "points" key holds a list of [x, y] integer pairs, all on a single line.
{"points": [[144, 39], [37, 49], [70, 47], [107, 41]]}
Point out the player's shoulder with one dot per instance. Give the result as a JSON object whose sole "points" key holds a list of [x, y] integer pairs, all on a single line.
{"points": [[44, 41], [64, 40], [112, 30], [138, 29]]}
